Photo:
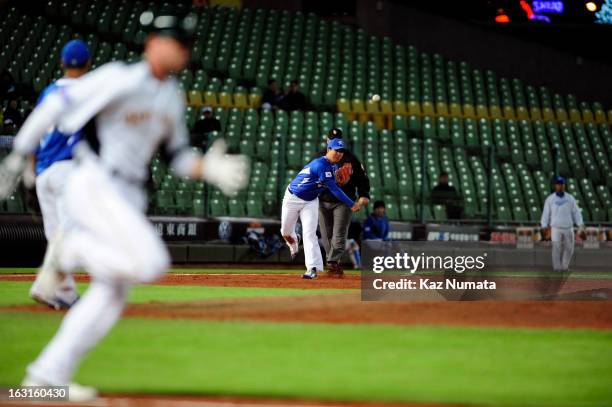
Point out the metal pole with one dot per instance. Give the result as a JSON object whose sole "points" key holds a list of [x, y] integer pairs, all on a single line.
{"points": [[491, 157], [423, 157]]}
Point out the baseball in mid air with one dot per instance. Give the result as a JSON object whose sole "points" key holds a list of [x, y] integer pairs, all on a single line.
{"points": [[375, 98]]}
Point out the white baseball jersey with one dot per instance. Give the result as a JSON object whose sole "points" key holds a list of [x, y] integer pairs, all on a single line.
{"points": [[134, 114], [561, 212], [108, 235]]}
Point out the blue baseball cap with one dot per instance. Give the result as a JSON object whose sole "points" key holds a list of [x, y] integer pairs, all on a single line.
{"points": [[336, 144], [559, 180], [75, 54]]}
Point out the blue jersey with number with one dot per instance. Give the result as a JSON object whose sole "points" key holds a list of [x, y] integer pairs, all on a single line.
{"points": [[314, 178], [55, 146]]}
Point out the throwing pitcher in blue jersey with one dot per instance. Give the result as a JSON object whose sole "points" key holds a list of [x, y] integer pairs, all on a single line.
{"points": [[301, 201]]}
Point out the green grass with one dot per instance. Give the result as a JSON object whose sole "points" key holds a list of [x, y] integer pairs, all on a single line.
{"points": [[509, 367], [16, 292]]}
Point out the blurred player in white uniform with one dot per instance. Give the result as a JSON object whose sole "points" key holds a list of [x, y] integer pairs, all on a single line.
{"points": [[560, 214], [354, 252], [53, 165], [301, 201], [135, 110]]}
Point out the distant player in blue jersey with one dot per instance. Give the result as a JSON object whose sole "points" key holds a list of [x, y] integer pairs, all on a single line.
{"points": [[301, 201], [52, 165]]}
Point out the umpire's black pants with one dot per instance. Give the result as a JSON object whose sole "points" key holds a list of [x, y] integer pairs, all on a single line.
{"points": [[334, 221]]}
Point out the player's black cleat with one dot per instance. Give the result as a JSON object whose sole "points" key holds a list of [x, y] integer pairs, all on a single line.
{"points": [[310, 274]]}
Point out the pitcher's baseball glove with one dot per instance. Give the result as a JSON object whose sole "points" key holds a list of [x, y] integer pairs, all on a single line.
{"points": [[343, 174]]}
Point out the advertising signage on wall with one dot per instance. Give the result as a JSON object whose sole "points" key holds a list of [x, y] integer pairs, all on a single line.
{"points": [[556, 7], [451, 233]]}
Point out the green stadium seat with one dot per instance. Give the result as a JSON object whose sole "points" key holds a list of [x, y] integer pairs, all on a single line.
{"points": [[184, 202], [236, 207], [164, 200], [423, 95]]}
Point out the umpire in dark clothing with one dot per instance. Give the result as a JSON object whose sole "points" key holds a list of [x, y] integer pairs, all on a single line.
{"points": [[334, 216]]}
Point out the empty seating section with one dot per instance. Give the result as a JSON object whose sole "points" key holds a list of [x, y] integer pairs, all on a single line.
{"points": [[448, 108]]}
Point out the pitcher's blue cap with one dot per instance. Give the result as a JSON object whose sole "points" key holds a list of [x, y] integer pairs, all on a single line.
{"points": [[75, 54], [336, 144], [559, 180]]}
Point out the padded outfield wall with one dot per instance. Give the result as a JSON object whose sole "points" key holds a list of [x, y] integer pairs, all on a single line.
{"points": [[221, 240]]}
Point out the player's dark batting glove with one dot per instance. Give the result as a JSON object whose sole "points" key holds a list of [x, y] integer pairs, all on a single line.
{"points": [[11, 169]]}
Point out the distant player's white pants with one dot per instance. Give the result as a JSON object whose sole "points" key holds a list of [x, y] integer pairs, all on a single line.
{"points": [[308, 212], [107, 234], [562, 248], [50, 187]]}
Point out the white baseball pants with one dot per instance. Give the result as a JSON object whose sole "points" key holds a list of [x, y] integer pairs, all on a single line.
{"points": [[50, 188], [107, 231], [108, 234], [308, 212], [562, 247]]}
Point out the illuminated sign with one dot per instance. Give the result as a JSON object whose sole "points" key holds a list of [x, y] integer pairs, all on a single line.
{"points": [[540, 17], [547, 6], [531, 15]]}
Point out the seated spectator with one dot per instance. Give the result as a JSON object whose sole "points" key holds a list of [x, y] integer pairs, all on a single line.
{"points": [[11, 112], [294, 99], [204, 126], [7, 84], [271, 97], [376, 225], [445, 194]]}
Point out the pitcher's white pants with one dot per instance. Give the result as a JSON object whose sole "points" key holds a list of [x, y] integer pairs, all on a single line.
{"points": [[562, 247], [308, 212], [108, 234]]}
